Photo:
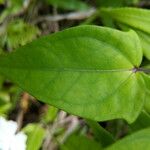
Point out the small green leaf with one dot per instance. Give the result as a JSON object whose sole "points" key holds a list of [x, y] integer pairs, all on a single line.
{"points": [[4, 109], [146, 78], [137, 141], [147, 102], [86, 71], [145, 41], [5, 103], [4, 97], [77, 142], [13, 7], [143, 121], [35, 135], [110, 3], [19, 33], [2, 1], [132, 18], [144, 37], [69, 4], [100, 134], [116, 3], [50, 115]]}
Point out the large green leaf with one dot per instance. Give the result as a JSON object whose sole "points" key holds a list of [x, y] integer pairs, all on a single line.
{"points": [[135, 18], [87, 71], [137, 141]]}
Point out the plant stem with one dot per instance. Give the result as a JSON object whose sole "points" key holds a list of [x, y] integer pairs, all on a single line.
{"points": [[146, 70]]}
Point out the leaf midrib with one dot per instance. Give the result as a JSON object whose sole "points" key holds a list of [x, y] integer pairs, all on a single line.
{"points": [[69, 69]]}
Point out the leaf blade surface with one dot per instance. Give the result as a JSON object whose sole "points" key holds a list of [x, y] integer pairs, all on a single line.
{"points": [[86, 71]]}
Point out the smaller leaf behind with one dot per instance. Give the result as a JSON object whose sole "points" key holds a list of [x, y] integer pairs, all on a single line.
{"points": [[100, 134], [146, 78], [132, 18], [35, 135], [143, 121], [69, 4], [78, 142], [19, 33], [144, 38], [136, 141]]}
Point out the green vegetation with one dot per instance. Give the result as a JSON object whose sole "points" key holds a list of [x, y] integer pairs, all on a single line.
{"points": [[85, 87]]}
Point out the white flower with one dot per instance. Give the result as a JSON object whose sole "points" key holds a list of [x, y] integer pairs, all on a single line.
{"points": [[9, 140]]}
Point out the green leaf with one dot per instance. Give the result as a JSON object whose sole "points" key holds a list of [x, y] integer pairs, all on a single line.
{"points": [[110, 3], [5, 103], [100, 134], [86, 71], [69, 4], [13, 7], [144, 37], [19, 33], [132, 18], [50, 115], [146, 78], [145, 41], [35, 135], [143, 121], [75, 142], [147, 102], [2, 1], [137, 141], [4, 97], [4, 109], [116, 3]]}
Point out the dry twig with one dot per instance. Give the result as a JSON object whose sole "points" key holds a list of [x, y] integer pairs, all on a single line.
{"points": [[69, 16]]}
